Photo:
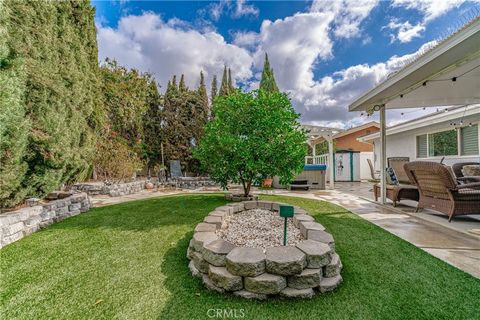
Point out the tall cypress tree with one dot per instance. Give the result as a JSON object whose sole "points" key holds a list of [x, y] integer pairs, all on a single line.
{"points": [[224, 88], [50, 75], [14, 124], [202, 92], [173, 85], [267, 83], [230, 81], [199, 107], [214, 90], [153, 126], [182, 87]]}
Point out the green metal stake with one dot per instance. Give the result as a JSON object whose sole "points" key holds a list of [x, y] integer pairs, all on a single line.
{"points": [[285, 212]]}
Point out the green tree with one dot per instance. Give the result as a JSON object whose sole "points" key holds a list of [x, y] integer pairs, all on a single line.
{"points": [[176, 123], [202, 93], [253, 135], [126, 94], [267, 83], [50, 71], [152, 126], [213, 95], [231, 88], [182, 87], [214, 90], [224, 87], [14, 124]]}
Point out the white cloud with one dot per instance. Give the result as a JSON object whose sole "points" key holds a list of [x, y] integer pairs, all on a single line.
{"points": [[348, 14], [148, 43], [244, 9], [295, 45], [248, 39], [326, 101], [236, 9], [429, 9], [406, 31]]}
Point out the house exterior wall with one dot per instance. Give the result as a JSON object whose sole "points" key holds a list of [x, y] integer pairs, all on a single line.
{"points": [[350, 142], [403, 144]]}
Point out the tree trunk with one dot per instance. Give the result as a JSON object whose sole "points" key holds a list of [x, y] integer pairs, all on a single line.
{"points": [[247, 188]]}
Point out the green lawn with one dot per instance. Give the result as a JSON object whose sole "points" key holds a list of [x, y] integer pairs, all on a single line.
{"points": [[128, 261]]}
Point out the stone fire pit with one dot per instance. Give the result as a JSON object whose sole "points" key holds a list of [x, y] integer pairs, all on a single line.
{"points": [[236, 249]]}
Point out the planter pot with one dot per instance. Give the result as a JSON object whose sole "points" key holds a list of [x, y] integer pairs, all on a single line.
{"points": [[267, 183], [149, 185]]}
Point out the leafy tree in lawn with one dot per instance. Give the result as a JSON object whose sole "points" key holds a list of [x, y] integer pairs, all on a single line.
{"points": [[267, 83], [253, 135]]}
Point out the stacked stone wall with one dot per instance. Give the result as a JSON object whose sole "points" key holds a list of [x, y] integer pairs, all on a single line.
{"points": [[301, 271], [18, 224]]}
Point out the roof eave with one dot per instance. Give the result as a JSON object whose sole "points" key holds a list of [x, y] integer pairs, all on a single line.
{"points": [[367, 100]]}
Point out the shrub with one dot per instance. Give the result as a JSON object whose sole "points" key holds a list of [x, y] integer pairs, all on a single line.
{"points": [[50, 95], [115, 160]]}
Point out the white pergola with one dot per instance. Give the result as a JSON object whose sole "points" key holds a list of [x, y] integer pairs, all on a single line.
{"points": [[448, 74], [318, 135]]}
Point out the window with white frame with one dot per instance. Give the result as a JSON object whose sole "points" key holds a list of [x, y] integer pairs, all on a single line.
{"points": [[460, 142]]}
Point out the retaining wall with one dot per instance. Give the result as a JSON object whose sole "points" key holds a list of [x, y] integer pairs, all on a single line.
{"points": [[18, 224], [113, 190]]}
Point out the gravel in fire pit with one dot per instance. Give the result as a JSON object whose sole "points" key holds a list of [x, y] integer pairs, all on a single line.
{"points": [[258, 228]]}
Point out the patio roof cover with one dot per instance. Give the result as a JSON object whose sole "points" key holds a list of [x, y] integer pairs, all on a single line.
{"points": [[448, 74]]}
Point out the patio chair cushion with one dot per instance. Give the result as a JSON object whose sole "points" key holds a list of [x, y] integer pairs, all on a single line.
{"points": [[397, 163], [471, 170], [397, 186], [468, 194], [391, 176]]}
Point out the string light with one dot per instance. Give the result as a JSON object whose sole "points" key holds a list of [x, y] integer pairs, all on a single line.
{"points": [[453, 79], [461, 122]]}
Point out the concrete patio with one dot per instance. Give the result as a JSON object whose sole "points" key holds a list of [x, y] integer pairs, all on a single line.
{"points": [[457, 242]]}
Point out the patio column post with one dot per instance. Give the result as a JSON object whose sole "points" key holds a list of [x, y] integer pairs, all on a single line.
{"points": [[383, 155], [330, 163]]}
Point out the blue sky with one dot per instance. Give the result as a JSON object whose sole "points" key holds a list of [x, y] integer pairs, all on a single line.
{"points": [[324, 53]]}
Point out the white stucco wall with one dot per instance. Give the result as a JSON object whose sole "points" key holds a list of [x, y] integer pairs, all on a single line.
{"points": [[404, 144]]}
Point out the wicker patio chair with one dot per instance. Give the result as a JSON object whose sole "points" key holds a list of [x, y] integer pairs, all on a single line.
{"points": [[440, 191], [373, 174], [405, 190], [457, 169]]}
